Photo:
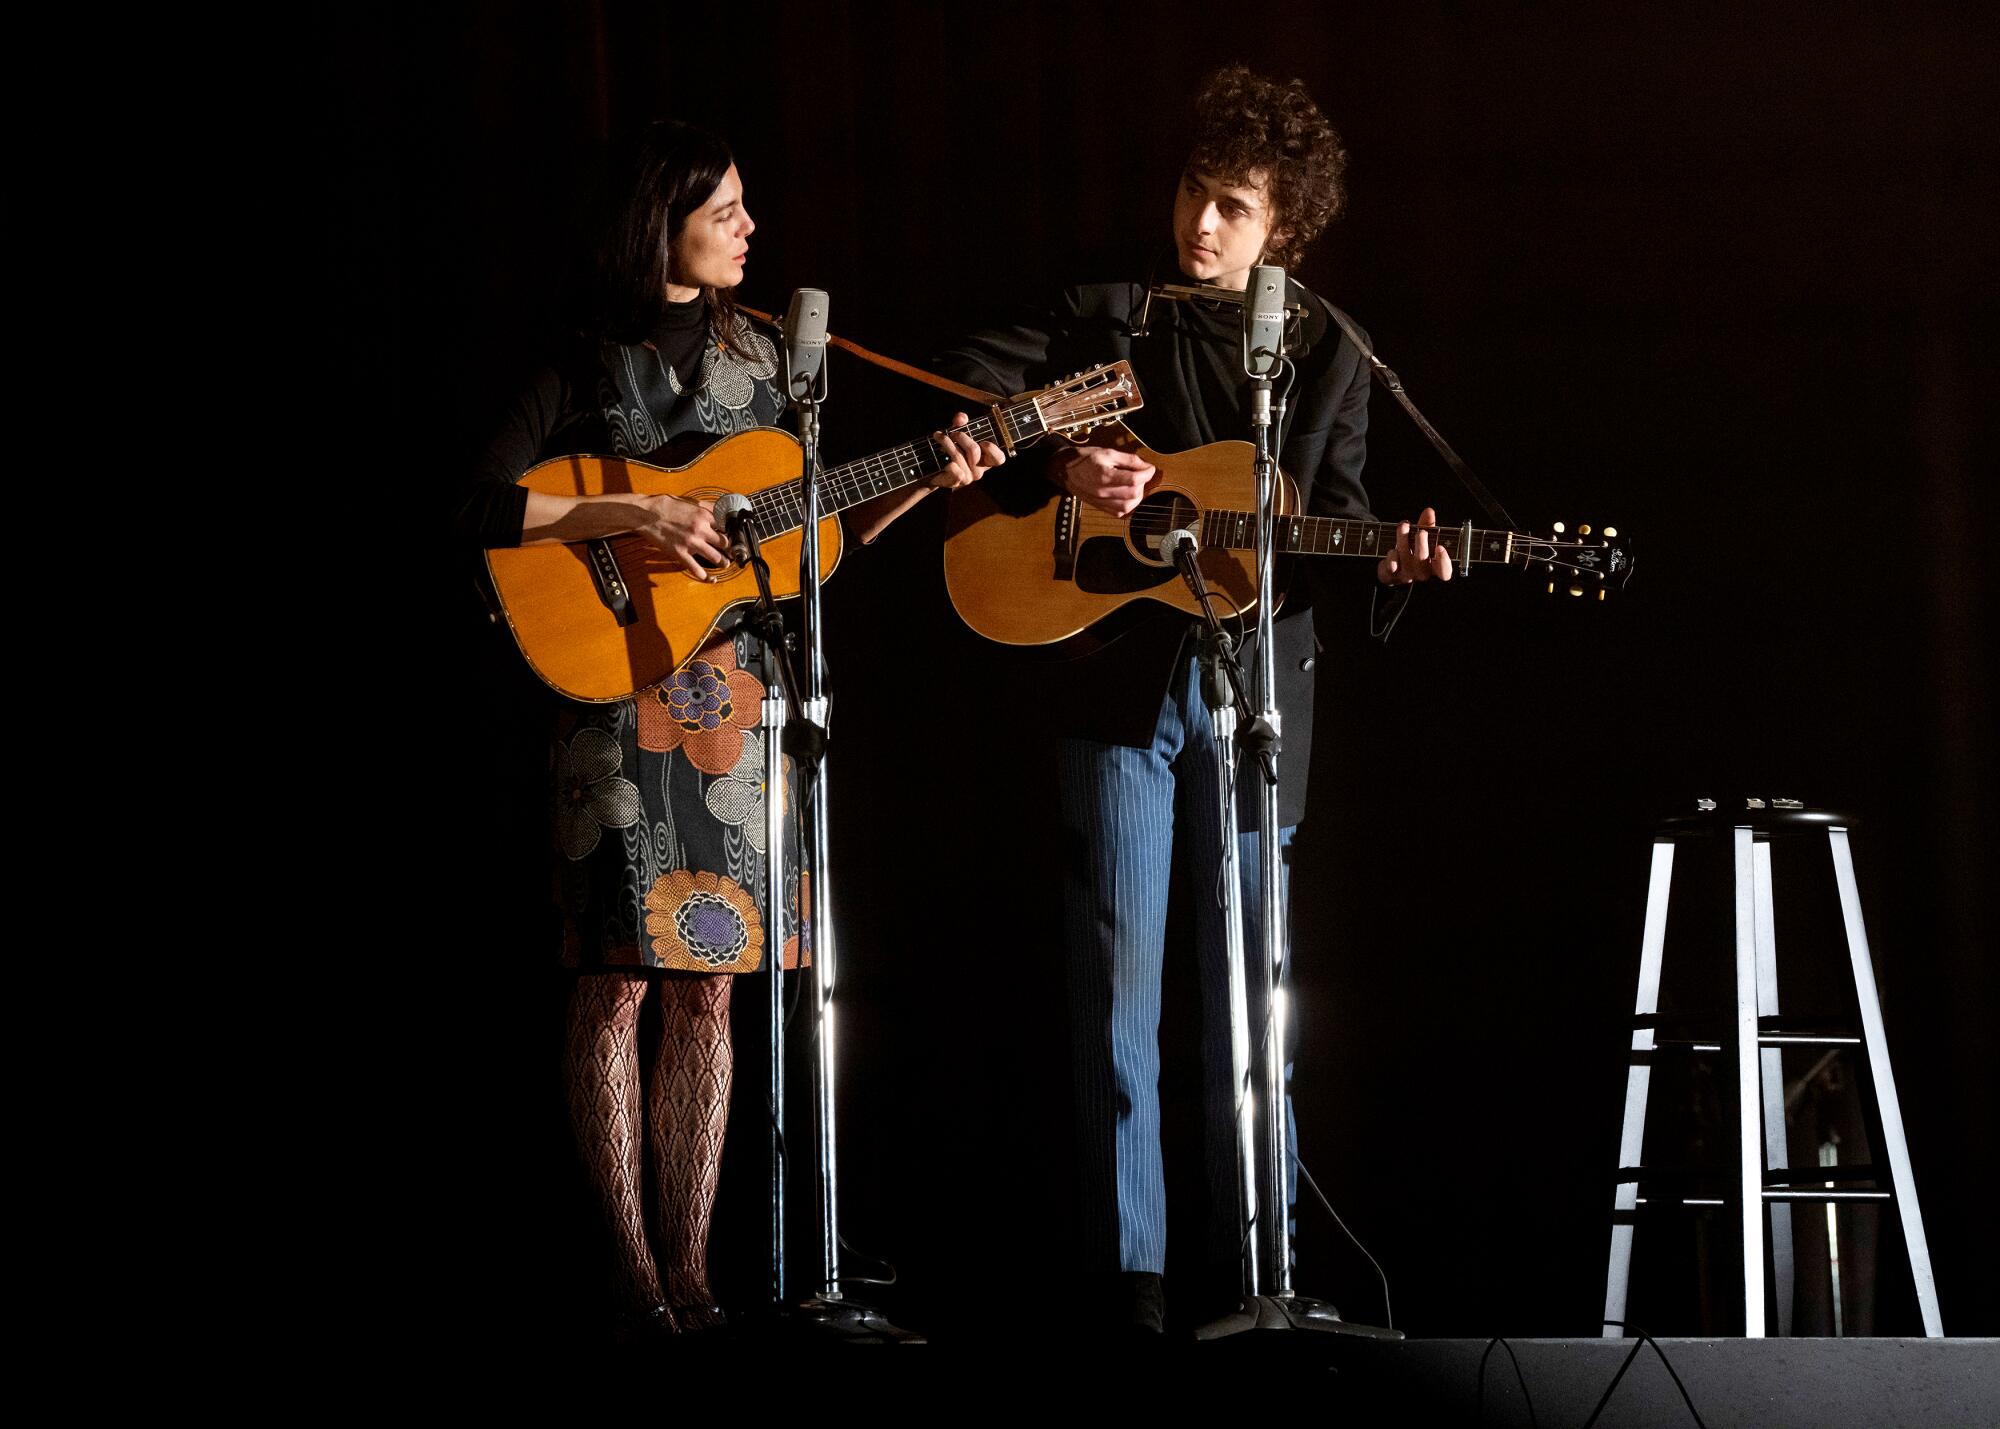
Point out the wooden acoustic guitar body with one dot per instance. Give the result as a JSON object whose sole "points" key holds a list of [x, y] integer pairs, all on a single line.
{"points": [[1026, 565], [555, 596]]}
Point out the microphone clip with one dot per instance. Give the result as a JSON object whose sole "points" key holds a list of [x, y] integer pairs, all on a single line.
{"points": [[1180, 545], [737, 517]]}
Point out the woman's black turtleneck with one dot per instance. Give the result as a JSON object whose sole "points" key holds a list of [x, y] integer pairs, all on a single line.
{"points": [[680, 338]]}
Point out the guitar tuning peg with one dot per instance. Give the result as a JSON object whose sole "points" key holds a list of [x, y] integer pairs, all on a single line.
{"points": [[1583, 530], [1576, 590], [1611, 533], [1558, 528]]}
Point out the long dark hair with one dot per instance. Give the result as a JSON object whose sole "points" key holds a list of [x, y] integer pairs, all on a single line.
{"points": [[650, 183]]}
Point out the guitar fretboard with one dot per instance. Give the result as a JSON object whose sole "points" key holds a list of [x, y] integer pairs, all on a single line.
{"points": [[778, 509], [1336, 536]]}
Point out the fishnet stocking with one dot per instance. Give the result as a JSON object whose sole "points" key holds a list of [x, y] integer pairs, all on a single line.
{"points": [[689, 1109], [601, 1072]]}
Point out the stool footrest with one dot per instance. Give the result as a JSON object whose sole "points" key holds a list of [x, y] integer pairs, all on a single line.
{"points": [[1709, 1023], [1785, 1039], [1656, 1204], [1777, 1177], [1699, 1046]]}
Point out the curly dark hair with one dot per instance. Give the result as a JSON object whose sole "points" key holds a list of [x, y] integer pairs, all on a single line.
{"points": [[1245, 124]]}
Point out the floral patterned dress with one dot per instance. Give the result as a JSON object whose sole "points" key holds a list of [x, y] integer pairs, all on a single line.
{"points": [[659, 800]]}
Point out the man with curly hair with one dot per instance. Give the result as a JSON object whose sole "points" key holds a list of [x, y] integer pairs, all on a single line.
{"points": [[1136, 764]]}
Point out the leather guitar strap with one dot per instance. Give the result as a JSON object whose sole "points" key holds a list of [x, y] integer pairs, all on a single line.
{"points": [[1452, 459], [901, 369]]}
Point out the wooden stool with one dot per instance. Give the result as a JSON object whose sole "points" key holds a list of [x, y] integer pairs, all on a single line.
{"points": [[1758, 1041]]}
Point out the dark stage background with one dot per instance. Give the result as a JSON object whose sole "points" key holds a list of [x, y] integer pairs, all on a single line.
{"points": [[1724, 282]]}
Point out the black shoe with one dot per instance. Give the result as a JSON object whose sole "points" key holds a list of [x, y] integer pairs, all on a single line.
{"points": [[699, 1319], [1141, 1304], [649, 1326]]}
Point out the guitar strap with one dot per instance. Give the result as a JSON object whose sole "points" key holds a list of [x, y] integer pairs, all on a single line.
{"points": [[1452, 459], [901, 369]]}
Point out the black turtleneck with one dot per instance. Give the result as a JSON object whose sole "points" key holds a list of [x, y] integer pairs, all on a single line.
{"points": [[681, 337]]}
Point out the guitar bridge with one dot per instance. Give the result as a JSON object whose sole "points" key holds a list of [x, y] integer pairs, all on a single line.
{"points": [[1065, 546], [610, 581]]}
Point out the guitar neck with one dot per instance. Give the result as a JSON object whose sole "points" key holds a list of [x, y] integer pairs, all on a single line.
{"points": [[1336, 536], [781, 508]]}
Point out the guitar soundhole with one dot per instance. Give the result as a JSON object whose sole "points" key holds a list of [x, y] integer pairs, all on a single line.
{"points": [[727, 570], [1107, 565], [1158, 514]]}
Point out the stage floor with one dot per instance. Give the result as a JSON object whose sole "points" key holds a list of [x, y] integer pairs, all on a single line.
{"points": [[1769, 1383], [1731, 1383]]}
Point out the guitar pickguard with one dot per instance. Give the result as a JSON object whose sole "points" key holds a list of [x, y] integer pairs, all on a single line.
{"points": [[1028, 568], [1104, 566], [1120, 565]]}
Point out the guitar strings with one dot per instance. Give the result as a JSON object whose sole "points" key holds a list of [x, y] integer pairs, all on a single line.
{"points": [[1533, 550], [781, 508]]}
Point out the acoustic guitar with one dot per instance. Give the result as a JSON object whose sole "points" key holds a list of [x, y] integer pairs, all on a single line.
{"points": [[601, 620], [1027, 564]]}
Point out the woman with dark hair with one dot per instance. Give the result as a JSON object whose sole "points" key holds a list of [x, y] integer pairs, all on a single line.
{"points": [[658, 799]]}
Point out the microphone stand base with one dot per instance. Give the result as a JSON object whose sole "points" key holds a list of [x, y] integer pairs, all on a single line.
{"points": [[844, 1322], [1288, 1312]]}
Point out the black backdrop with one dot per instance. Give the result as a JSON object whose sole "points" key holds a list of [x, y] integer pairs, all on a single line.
{"points": [[1724, 282]]}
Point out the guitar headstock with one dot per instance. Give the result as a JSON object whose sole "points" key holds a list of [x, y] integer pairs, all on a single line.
{"points": [[1578, 561], [1087, 399]]}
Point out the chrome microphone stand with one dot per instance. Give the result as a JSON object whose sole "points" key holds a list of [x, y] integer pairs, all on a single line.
{"points": [[775, 716], [813, 712], [1222, 692], [1269, 1302], [779, 698], [829, 1309]]}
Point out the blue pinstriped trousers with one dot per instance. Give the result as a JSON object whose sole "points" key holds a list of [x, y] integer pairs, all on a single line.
{"points": [[1126, 815]]}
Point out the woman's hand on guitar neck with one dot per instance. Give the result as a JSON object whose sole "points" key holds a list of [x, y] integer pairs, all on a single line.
{"points": [[684, 530], [969, 460], [1417, 557], [1107, 478]]}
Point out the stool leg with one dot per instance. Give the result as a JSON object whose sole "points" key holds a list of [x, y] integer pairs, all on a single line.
{"points": [[1750, 1146], [1902, 1182], [1777, 1154], [1638, 1081]]}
